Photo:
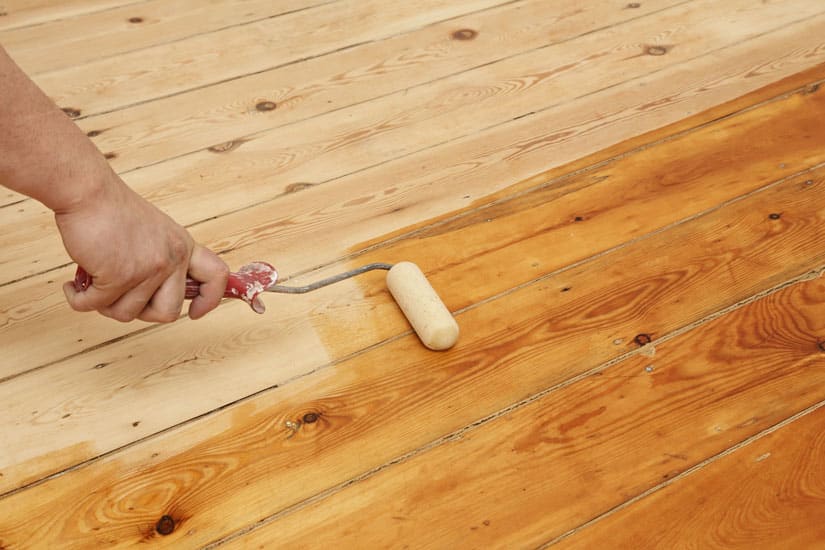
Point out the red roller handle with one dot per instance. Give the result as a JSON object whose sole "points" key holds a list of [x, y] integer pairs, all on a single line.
{"points": [[246, 284]]}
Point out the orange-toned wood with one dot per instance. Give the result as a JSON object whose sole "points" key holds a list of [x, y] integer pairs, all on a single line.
{"points": [[769, 494], [399, 397], [534, 472]]}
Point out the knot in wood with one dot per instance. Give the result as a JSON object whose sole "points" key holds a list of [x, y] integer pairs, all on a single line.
{"points": [[633, 5], [464, 34], [136, 20], [165, 525], [264, 106], [310, 418], [643, 339], [656, 50], [775, 216]]}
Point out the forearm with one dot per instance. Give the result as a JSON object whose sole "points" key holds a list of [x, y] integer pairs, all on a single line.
{"points": [[43, 154]]}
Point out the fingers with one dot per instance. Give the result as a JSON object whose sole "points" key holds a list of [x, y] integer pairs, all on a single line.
{"points": [[207, 268], [91, 299], [158, 300], [165, 304]]}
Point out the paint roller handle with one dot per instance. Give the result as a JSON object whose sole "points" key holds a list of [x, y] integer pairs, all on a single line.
{"points": [[246, 284]]}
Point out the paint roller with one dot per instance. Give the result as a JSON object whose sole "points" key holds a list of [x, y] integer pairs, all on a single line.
{"points": [[421, 305]]}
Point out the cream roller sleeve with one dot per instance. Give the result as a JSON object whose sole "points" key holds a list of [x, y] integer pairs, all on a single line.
{"points": [[425, 311]]}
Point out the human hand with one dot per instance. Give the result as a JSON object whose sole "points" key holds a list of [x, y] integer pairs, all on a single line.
{"points": [[137, 256]]}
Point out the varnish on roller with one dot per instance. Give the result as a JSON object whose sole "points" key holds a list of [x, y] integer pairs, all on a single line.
{"points": [[429, 317]]}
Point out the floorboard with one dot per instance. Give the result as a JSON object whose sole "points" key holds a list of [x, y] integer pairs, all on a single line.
{"points": [[360, 160], [599, 310], [768, 494], [98, 35], [575, 452], [621, 202], [23, 13]]}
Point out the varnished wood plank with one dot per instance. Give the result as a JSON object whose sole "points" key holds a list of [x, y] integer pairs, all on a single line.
{"points": [[149, 133], [70, 42], [20, 13], [202, 60], [769, 494], [533, 473], [565, 325], [356, 154]]}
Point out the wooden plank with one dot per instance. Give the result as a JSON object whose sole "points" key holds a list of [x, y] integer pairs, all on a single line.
{"points": [[583, 449], [20, 13], [769, 494], [88, 37], [366, 137], [149, 133], [242, 456], [36, 304], [202, 60]]}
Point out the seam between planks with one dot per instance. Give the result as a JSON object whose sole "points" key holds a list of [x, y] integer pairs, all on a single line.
{"points": [[693, 469], [59, 18], [458, 434]]}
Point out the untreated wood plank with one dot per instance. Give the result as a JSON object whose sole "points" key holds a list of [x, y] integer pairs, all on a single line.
{"points": [[20, 13], [374, 407], [202, 60], [71, 42], [354, 158], [769, 494], [573, 453], [149, 133]]}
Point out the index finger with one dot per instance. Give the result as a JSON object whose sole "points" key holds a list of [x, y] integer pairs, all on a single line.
{"points": [[207, 268]]}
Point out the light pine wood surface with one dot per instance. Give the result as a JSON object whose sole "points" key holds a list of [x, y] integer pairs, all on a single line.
{"points": [[621, 202]]}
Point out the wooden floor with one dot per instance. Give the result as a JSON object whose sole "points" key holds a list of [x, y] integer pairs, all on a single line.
{"points": [[623, 203]]}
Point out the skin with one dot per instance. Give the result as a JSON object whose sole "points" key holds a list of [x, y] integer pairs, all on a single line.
{"points": [[137, 255]]}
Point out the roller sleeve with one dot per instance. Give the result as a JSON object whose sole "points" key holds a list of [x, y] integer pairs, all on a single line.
{"points": [[425, 311]]}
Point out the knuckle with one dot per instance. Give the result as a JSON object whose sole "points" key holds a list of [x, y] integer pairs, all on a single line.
{"points": [[179, 251]]}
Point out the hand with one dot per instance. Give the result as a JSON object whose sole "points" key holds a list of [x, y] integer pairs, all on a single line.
{"points": [[137, 256]]}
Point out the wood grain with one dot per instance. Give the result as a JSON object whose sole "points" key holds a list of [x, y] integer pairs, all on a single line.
{"points": [[35, 303], [635, 196], [20, 13], [354, 159], [769, 494], [529, 475], [71, 42], [202, 60], [370, 413], [152, 132]]}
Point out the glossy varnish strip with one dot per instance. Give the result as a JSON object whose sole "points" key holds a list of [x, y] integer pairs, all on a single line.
{"points": [[513, 347]]}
